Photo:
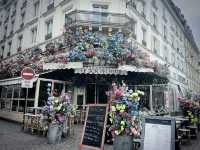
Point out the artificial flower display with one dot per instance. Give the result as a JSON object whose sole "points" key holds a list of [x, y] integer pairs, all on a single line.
{"points": [[57, 108], [80, 44], [124, 111]]}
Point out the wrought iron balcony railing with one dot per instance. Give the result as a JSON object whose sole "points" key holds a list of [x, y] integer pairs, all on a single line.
{"points": [[96, 18]]}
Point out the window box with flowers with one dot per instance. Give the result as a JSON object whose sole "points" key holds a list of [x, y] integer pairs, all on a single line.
{"points": [[124, 116]]}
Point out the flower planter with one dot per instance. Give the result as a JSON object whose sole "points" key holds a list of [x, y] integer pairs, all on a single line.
{"points": [[54, 133], [123, 142]]}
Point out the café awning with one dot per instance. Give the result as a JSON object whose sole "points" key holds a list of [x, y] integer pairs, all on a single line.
{"points": [[12, 81]]}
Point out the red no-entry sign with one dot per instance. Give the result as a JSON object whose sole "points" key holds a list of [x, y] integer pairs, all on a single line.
{"points": [[27, 73]]}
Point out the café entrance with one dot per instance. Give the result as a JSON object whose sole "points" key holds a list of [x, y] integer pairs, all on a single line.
{"points": [[96, 93]]}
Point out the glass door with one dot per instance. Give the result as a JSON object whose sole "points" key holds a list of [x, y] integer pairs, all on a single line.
{"points": [[101, 94], [91, 94]]}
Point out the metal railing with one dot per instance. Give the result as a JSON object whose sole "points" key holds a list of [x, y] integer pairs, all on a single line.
{"points": [[80, 17]]}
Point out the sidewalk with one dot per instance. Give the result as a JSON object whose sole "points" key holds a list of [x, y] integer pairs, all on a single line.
{"points": [[13, 138]]}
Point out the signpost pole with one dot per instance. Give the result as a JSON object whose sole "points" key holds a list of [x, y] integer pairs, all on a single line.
{"points": [[25, 106], [27, 75]]}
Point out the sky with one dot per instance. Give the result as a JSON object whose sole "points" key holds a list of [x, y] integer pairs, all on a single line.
{"points": [[191, 11]]}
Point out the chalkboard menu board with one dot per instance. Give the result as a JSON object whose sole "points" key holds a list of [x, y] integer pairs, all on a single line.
{"points": [[94, 128], [158, 133]]}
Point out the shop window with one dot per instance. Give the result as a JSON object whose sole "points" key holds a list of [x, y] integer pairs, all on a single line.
{"points": [[0, 90], [15, 105], [4, 92], [68, 87], [16, 92], [30, 103], [158, 98], [21, 105], [22, 92], [9, 92], [79, 101], [144, 98], [31, 91], [58, 87], [91, 90], [102, 97], [45, 91]]}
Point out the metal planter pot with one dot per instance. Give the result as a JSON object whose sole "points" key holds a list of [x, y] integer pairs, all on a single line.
{"points": [[123, 142], [54, 133]]}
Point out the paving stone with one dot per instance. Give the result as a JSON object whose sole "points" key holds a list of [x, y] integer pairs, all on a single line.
{"points": [[12, 137]]}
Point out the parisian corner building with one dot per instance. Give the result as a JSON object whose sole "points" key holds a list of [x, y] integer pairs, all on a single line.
{"points": [[85, 45]]}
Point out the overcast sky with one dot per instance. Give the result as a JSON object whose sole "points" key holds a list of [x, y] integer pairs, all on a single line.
{"points": [[191, 11]]}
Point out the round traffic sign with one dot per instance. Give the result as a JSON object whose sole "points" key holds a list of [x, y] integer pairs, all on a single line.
{"points": [[28, 73]]}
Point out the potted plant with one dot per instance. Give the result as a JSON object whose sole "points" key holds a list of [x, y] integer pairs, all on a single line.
{"points": [[57, 109], [124, 116]]}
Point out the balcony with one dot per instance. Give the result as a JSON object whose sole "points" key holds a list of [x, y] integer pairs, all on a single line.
{"points": [[48, 36], [96, 18], [50, 6]]}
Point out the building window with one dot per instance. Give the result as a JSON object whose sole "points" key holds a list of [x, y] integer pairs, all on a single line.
{"points": [[155, 21], [141, 8], [165, 53], [68, 19], [144, 32], [154, 5], [165, 31], [9, 48], [36, 9], [155, 46], [172, 41], [173, 58], [49, 27], [22, 20], [20, 39], [2, 52], [164, 14], [50, 2], [33, 34], [132, 28], [102, 16]]}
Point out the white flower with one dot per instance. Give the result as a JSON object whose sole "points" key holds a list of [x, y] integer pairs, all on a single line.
{"points": [[130, 91]]}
